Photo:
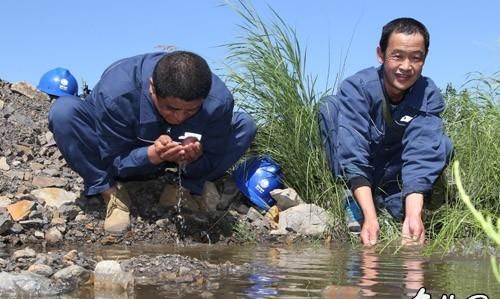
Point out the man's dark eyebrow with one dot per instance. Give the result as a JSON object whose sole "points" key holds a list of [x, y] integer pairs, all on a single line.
{"points": [[403, 51]]}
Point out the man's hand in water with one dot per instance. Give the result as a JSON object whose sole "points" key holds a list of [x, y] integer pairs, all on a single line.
{"points": [[192, 150]]}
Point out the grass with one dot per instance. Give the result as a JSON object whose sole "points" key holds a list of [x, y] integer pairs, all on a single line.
{"points": [[487, 224], [245, 232], [472, 120], [268, 76], [267, 72]]}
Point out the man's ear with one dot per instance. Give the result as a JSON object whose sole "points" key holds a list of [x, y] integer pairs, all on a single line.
{"points": [[380, 55], [151, 87]]}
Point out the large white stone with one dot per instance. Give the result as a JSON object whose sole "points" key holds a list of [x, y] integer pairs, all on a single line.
{"points": [[54, 197], [109, 275], [305, 219], [286, 198]]}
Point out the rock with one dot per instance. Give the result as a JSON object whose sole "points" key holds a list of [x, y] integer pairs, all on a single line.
{"points": [[253, 214], [71, 255], [45, 181], [28, 90], [23, 149], [41, 269], [81, 218], [257, 219], [4, 201], [273, 215], [206, 294], [51, 172], [163, 223], [38, 234], [229, 193], [53, 236], [21, 120], [286, 198], [72, 276], [344, 292], [184, 278], [16, 228], [184, 270], [5, 223], [24, 253], [14, 174], [305, 219], [18, 285], [110, 275], [3, 164], [49, 137], [69, 211], [210, 196], [54, 197], [36, 166], [20, 209]]}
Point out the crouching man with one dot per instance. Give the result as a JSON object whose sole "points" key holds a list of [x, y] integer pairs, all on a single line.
{"points": [[383, 134], [131, 122]]}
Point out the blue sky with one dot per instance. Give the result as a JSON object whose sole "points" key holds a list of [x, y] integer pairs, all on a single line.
{"points": [[87, 36]]}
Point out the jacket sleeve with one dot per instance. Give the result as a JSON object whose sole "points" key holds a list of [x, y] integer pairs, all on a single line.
{"points": [[118, 139], [426, 150], [214, 141], [354, 132]]}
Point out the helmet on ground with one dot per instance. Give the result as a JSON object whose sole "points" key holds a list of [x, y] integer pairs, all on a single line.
{"points": [[256, 177], [58, 82]]}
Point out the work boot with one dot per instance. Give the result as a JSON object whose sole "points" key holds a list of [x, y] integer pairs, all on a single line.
{"points": [[172, 193], [117, 211]]}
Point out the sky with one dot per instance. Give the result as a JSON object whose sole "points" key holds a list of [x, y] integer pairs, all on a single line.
{"points": [[87, 36]]}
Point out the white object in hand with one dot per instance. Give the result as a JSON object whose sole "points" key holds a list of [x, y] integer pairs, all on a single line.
{"points": [[189, 134]]}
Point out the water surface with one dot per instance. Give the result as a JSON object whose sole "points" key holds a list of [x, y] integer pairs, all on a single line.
{"points": [[349, 272]]}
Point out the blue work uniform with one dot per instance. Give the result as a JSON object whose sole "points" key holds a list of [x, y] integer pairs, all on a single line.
{"points": [[105, 137], [394, 149]]}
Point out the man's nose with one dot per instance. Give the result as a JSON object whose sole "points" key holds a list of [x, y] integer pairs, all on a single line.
{"points": [[406, 64], [181, 115]]}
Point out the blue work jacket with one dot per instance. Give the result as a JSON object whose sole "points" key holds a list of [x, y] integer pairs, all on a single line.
{"points": [[401, 143], [127, 122]]}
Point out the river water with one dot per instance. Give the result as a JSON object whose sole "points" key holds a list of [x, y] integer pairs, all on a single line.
{"points": [[329, 271]]}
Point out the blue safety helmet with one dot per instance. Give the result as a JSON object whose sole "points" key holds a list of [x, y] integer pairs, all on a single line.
{"points": [[58, 82], [256, 177]]}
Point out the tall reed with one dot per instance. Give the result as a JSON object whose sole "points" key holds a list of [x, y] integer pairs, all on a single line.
{"points": [[268, 74], [472, 120]]}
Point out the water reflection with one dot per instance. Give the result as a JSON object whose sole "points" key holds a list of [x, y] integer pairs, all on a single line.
{"points": [[328, 271], [386, 275]]}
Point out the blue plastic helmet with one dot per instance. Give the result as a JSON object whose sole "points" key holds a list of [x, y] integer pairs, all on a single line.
{"points": [[256, 177], [58, 82]]}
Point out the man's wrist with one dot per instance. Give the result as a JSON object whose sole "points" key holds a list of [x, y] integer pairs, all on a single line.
{"points": [[153, 156], [414, 204]]}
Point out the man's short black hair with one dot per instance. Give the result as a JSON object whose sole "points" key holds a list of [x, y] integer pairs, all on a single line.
{"points": [[406, 26], [184, 75]]}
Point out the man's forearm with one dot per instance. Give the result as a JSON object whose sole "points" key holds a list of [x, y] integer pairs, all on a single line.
{"points": [[364, 198]]}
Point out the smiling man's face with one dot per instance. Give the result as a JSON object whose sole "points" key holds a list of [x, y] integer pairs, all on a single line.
{"points": [[403, 61]]}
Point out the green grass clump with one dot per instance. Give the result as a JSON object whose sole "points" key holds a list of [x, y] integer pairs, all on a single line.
{"points": [[472, 120], [245, 232], [267, 73], [486, 223]]}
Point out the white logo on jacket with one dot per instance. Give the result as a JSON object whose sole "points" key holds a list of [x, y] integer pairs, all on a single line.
{"points": [[406, 119]]}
